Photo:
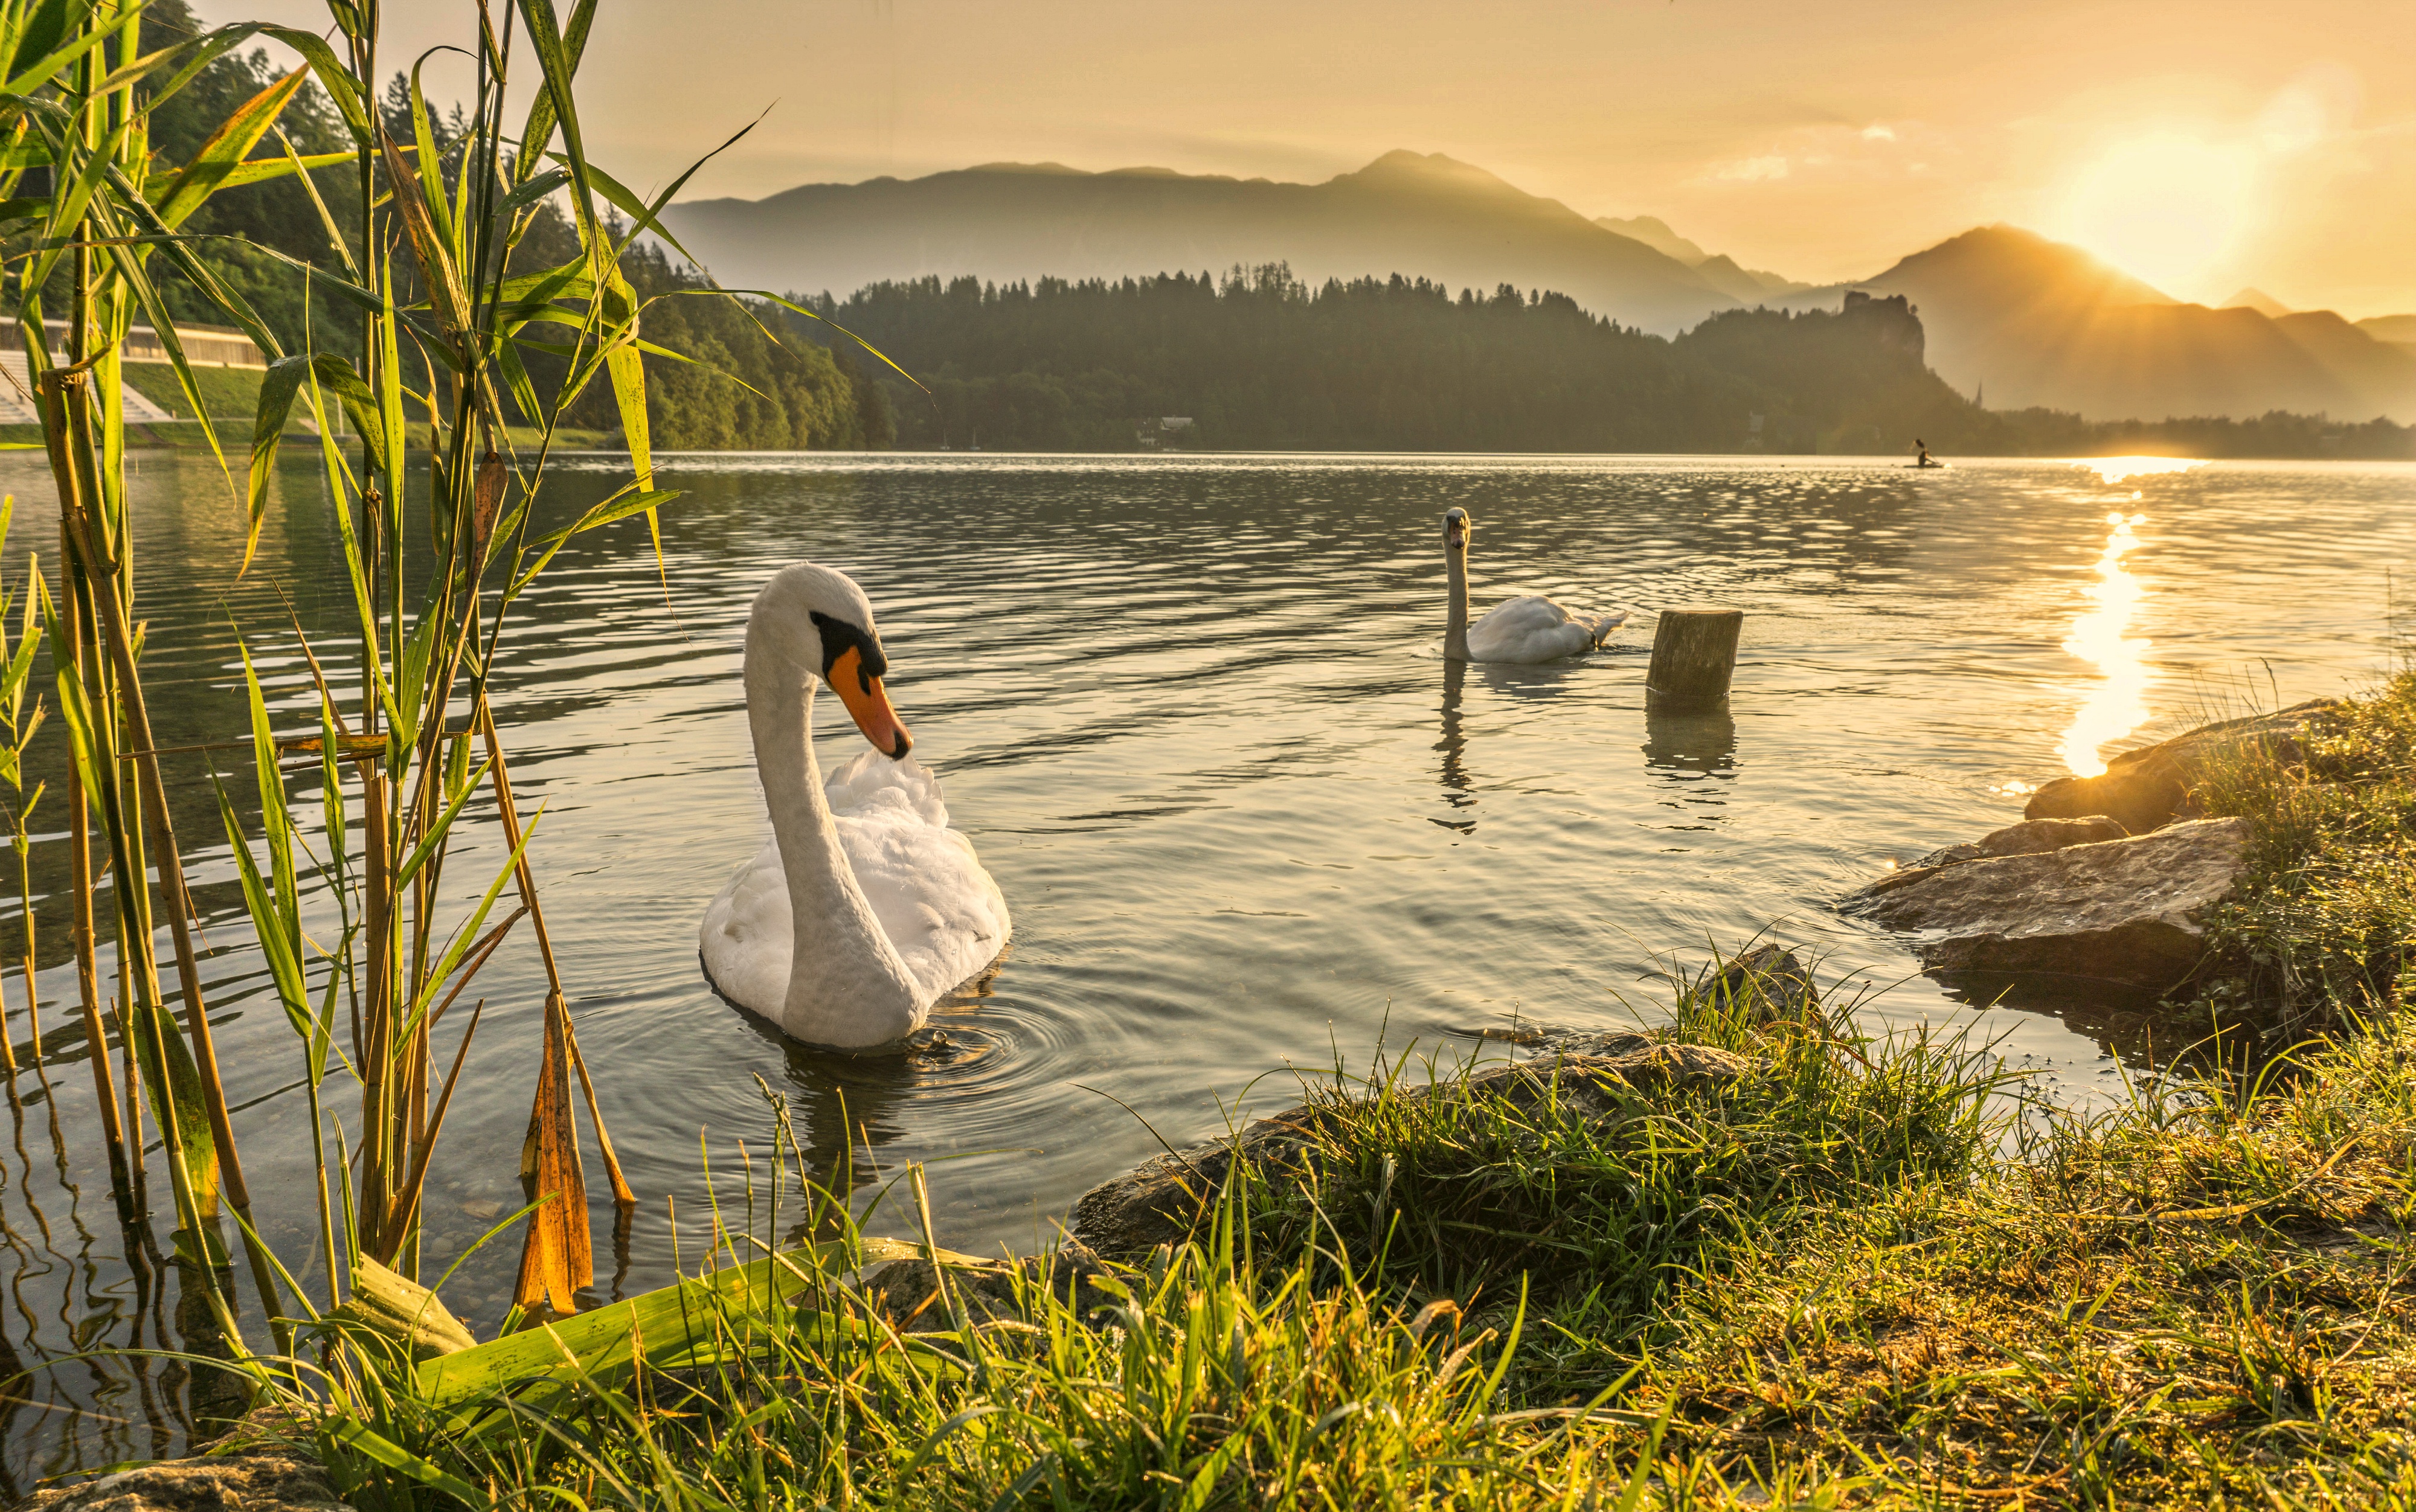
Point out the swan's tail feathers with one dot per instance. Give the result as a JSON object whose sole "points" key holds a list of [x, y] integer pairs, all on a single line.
{"points": [[1600, 626]]}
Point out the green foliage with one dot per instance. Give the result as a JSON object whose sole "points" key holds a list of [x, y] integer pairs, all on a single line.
{"points": [[2328, 910], [741, 390], [2188, 1300], [1258, 359], [242, 220], [1262, 360], [1444, 1192]]}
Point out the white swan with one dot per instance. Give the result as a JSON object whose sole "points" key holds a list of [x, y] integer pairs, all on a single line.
{"points": [[864, 908], [1529, 629]]}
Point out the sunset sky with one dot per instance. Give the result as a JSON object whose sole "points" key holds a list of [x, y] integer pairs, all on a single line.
{"points": [[2202, 146]]}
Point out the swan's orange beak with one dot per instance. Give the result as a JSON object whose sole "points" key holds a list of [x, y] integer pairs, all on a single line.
{"points": [[869, 702]]}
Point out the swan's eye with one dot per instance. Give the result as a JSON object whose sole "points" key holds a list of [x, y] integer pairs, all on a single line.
{"points": [[838, 639]]}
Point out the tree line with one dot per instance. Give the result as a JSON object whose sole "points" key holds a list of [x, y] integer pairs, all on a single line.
{"points": [[1260, 359]]}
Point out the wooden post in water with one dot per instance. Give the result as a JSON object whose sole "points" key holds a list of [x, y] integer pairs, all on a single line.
{"points": [[1694, 654]]}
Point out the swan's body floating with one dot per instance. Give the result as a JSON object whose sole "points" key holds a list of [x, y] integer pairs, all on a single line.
{"points": [[864, 908], [1529, 629]]}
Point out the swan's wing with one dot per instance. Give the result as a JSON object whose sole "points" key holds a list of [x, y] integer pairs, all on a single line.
{"points": [[746, 937], [1529, 629], [939, 908]]}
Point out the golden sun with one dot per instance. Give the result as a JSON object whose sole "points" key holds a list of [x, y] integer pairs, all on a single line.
{"points": [[2162, 208]]}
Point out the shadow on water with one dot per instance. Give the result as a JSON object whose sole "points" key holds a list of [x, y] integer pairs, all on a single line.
{"points": [[1533, 684], [2127, 1021], [1457, 789], [2141, 1028], [1689, 744]]}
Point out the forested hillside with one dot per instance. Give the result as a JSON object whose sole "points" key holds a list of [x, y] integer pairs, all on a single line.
{"points": [[741, 388], [1262, 360]]}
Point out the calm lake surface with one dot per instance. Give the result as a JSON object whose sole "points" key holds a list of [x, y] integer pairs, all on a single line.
{"points": [[1191, 712]]}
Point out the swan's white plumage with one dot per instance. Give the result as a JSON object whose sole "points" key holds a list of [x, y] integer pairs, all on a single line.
{"points": [[942, 911], [1536, 629]]}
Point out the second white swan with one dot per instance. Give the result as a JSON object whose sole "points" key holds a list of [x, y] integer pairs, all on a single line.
{"points": [[1524, 630], [863, 909]]}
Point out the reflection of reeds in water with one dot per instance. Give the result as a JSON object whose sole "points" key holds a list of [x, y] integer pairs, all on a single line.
{"points": [[2118, 704]]}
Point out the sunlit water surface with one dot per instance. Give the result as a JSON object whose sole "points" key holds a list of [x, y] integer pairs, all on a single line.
{"points": [[1190, 711]]}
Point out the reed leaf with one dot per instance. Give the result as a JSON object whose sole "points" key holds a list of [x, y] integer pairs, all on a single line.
{"points": [[441, 830], [223, 154], [54, 26]]}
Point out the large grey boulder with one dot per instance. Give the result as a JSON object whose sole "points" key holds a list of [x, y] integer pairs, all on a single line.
{"points": [[2129, 911], [2151, 786], [1165, 1198]]}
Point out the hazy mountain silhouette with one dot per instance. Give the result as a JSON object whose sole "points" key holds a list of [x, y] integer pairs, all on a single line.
{"points": [[2038, 322], [1749, 284], [1655, 233], [1423, 215], [2034, 322], [2260, 301], [2400, 330]]}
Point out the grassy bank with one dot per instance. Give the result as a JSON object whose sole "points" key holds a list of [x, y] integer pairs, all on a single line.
{"points": [[1799, 1265], [2328, 917]]}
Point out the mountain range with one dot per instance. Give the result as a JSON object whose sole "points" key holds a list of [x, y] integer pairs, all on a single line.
{"points": [[1426, 216], [2030, 321], [2011, 315]]}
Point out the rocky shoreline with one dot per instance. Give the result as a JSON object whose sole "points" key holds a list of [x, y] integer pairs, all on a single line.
{"points": [[2112, 879]]}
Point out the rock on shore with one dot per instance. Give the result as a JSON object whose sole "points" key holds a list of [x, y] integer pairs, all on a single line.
{"points": [[262, 1480], [2151, 786], [2130, 911]]}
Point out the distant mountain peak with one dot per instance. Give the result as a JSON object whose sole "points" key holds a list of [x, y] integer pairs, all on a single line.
{"points": [[2260, 301], [1655, 233], [1057, 170], [1401, 165], [2015, 255]]}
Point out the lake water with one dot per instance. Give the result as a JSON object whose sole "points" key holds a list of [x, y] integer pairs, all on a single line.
{"points": [[1191, 712]]}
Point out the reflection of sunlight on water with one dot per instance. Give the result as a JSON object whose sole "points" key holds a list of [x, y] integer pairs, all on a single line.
{"points": [[2118, 704], [2123, 469]]}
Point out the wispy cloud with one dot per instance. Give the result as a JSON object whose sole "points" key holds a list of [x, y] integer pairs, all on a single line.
{"points": [[1753, 170]]}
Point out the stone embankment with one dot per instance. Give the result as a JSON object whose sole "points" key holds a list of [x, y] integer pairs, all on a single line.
{"points": [[2112, 878]]}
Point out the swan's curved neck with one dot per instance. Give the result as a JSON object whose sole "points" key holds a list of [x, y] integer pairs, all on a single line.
{"points": [[1454, 630], [847, 985]]}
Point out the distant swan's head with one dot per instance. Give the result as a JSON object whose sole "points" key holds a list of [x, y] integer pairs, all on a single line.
{"points": [[1456, 528], [820, 622]]}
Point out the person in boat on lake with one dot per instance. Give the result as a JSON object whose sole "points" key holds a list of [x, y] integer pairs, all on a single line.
{"points": [[1922, 447]]}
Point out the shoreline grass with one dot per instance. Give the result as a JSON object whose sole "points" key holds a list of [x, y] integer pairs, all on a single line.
{"points": [[1834, 1269]]}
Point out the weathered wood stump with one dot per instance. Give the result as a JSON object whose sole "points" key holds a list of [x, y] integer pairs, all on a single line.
{"points": [[1694, 655]]}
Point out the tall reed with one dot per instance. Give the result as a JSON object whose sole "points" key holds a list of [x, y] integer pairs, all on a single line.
{"points": [[468, 356]]}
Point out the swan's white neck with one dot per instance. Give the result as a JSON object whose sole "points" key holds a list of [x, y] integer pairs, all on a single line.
{"points": [[847, 985], [1454, 630]]}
